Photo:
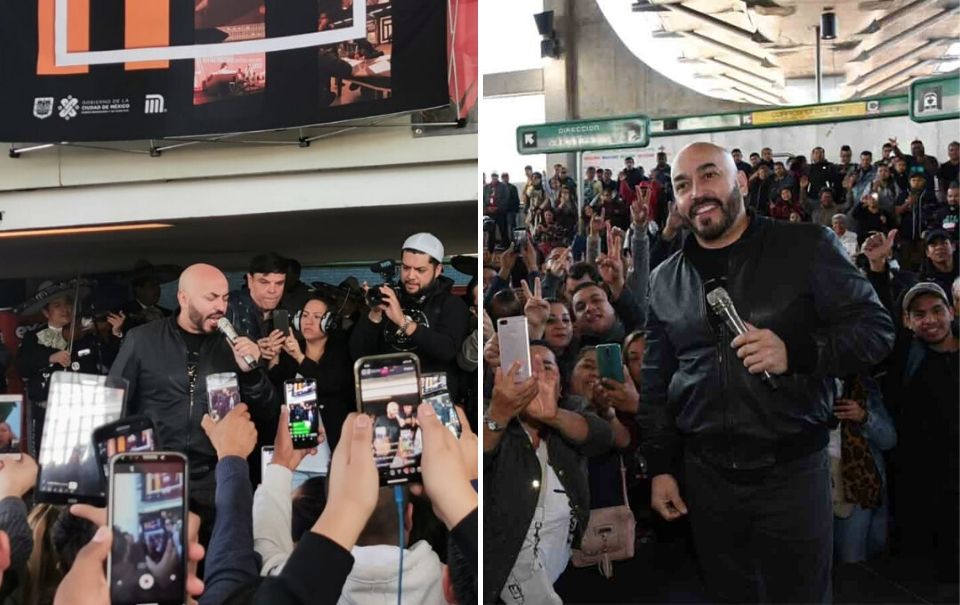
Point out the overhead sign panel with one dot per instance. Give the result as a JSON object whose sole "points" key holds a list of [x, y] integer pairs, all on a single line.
{"points": [[936, 98], [628, 132]]}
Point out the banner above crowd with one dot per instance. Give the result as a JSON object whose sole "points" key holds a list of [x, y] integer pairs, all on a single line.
{"points": [[83, 70]]}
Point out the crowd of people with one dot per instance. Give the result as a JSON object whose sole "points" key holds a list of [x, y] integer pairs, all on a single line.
{"points": [[337, 537], [821, 431]]}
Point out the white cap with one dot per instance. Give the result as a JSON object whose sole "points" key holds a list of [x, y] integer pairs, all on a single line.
{"points": [[426, 243]]}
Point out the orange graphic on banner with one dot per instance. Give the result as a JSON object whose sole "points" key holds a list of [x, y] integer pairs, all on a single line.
{"points": [[78, 36], [146, 25]]}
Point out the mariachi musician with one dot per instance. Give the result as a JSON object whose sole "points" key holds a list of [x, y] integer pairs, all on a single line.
{"points": [[60, 344], [146, 279]]}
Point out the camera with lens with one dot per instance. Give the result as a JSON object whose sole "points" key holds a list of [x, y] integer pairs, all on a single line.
{"points": [[387, 270]]}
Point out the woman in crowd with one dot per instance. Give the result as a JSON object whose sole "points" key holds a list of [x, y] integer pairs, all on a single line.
{"points": [[320, 353]]}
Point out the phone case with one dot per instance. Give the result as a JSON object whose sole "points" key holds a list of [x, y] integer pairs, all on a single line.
{"points": [[514, 345], [609, 362]]}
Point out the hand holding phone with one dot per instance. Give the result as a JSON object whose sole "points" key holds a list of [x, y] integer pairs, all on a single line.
{"points": [[514, 340], [610, 362], [353, 484], [303, 414], [234, 435], [223, 394], [281, 321], [446, 476]]}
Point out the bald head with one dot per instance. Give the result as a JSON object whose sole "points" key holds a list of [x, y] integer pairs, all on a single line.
{"points": [[708, 186], [202, 294]]}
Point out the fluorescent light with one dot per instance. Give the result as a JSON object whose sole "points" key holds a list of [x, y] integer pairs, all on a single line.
{"points": [[82, 230], [953, 50], [948, 66]]}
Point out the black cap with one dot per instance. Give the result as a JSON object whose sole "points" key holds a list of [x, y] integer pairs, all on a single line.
{"points": [[934, 234]]}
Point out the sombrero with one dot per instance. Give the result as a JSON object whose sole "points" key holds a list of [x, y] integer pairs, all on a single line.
{"points": [[49, 290], [162, 274]]}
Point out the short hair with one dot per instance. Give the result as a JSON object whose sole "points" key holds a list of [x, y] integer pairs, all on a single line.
{"points": [[629, 340], [586, 285], [268, 262], [839, 216], [778, 163], [309, 500], [845, 148], [826, 190], [887, 146], [736, 150], [954, 185], [383, 527], [767, 149], [583, 268], [432, 260], [593, 168], [866, 152], [528, 167], [629, 158], [754, 154]]}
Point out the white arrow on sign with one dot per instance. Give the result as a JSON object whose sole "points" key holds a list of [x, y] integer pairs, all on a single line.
{"points": [[529, 139]]}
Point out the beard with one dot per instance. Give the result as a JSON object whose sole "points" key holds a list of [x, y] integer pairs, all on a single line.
{"points": [[414, 289], [198, 320], [709, 229]]}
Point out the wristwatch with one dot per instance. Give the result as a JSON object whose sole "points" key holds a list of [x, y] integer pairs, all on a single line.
{"points": [[402, 330], [492, 425]]}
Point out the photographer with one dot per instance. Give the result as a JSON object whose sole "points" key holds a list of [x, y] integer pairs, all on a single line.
{"points": [[421, 315]]}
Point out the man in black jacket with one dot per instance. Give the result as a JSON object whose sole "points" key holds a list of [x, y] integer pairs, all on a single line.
{"points": [[166, 364], [755, 462], [424, 318]]}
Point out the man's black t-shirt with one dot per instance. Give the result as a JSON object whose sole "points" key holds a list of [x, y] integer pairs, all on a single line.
{"points": [[193, 342], [947, 174]]}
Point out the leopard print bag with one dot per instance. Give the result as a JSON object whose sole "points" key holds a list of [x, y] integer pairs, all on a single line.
{"points": [[861, 478]]}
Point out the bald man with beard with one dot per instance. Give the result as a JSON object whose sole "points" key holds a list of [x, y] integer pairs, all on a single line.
{"points": [[753, 456], [166, 364]]}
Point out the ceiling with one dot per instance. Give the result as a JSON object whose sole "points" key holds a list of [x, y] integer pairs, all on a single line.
{"points": [[314, 237], [763, 51]]}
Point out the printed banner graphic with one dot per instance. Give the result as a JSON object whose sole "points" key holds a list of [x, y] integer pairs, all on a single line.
{"points": [[97, 70]]}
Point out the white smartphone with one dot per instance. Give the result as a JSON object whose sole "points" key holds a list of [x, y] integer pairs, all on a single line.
{"points": [[514, 344]]}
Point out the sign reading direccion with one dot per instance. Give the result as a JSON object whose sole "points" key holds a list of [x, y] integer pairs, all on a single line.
{"points": [[629, 132]]}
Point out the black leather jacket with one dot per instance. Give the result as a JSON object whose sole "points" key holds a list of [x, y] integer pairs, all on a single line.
{"points": [[794, 279], [153, 360]]}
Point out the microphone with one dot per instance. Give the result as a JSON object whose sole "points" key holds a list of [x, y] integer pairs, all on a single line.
{"points": [[722, 306], [226, 327]]}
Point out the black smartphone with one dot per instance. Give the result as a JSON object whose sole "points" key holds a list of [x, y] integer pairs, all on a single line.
{"points": [[281, 321], [300, 395], [11, 424], [610, 362], [134, 434], [520, 239], [388, 390], [148, 515]]}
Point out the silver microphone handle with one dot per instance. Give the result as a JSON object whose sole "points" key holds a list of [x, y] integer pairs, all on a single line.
{"points": [[736, 324]]}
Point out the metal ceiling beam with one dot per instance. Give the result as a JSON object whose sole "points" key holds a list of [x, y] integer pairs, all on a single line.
{"points": [[892, 17], [750, 95], [777, 99], [887, 83], [761, 61], [911, 54], [739, 69], [910, 31], [753, 36]]}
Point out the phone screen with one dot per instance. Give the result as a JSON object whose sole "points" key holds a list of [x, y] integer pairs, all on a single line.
{"points": [[11, 424], [433, 387], [388, 390], [304, 423], [76, 405], [130, 438], [223, 394], [148, 516]]}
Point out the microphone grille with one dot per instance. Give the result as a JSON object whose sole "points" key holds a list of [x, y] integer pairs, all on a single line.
{"points": [[224, 324], [718, 298]]}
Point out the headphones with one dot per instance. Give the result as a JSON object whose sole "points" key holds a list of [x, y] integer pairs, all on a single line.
{"points": [[329, 321]]}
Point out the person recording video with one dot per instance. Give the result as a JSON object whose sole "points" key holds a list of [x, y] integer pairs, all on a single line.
{"points": [[420, 315]]}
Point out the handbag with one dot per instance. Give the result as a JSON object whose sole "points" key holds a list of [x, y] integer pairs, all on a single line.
{"points": [[610, 535]]}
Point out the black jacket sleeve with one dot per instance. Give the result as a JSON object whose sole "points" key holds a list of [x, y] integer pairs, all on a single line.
{"points": [[313, 575], [127, 366], [660, 440], [858, 331], [441, 342], [464, 535]]}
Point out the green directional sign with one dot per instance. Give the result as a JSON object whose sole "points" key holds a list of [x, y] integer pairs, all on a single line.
{"points": [[627, 132], [935, 98]]}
